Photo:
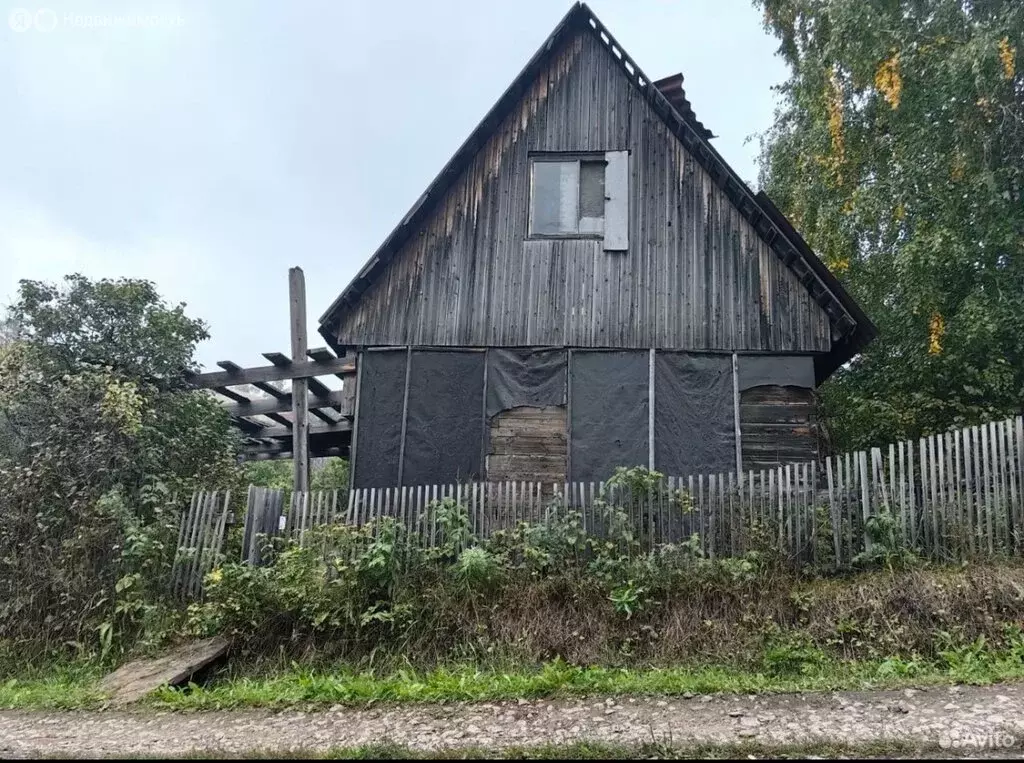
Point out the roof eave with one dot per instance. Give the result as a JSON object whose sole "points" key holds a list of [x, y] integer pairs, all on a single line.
{"points": [[850, 345]]}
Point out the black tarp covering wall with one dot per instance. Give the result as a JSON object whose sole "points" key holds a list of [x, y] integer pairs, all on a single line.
{"points": [[783, 370], [379, 435], [609, 414], [525, 377], [446, 431], [445, 420], [694, 422]]}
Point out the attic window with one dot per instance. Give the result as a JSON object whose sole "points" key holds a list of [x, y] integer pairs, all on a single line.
{"points": [[568, 197], [579, 196]]}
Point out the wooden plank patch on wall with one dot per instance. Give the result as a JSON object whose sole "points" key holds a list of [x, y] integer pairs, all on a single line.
{"points": [[777, 426], [528, 443]]}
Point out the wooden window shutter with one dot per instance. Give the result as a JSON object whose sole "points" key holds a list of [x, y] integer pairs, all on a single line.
{"points": [[616, 201]]}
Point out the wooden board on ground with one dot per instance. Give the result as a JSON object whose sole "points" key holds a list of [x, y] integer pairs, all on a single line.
{"points": [[138, 678]]}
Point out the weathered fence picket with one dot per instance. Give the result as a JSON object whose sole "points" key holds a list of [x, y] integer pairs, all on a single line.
{"points": [[200, 538], [262, 520]]}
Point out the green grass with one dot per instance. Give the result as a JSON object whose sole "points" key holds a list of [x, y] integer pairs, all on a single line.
{"points": [[64, 686], [76, 690], [558, 679], [49, 694]]}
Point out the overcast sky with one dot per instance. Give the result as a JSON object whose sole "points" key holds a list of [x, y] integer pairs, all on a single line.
{"points": [[216, 144]]}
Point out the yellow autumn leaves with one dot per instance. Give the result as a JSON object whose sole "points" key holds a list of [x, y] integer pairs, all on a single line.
{"points": [[936, 328], [123, 406], [1007, 57], [838, 265], [834, 106], [889, 81]]}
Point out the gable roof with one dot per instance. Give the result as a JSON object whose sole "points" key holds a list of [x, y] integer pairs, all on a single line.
{"points": [[668, 100]]}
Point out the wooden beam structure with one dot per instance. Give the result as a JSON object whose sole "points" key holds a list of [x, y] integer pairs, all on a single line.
{"points": [[340, 427], [316, 386], [283, 404], [290, 432], [299, 370], [269, 452], [227, 365], [300, 386]]}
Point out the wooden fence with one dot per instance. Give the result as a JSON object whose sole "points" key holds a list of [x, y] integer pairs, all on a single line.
{"points": [[265, 517], [200, 539], [952, 497], [727, 516]]}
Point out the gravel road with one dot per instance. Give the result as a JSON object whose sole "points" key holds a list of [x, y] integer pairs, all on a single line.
{"points": [[964, 720]]}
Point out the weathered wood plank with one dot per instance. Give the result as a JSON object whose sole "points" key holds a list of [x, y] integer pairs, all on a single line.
{"points": [[134, 680], [282, 404], [300, 370]]}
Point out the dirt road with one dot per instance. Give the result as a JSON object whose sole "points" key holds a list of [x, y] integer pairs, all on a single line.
{"points": [[967, 720]]}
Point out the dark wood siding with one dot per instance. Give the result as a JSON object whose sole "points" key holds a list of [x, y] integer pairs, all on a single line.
{"points": [[777, 426], [696, 274], [528, 444]]}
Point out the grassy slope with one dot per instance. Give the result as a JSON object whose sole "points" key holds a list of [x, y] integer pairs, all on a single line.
{"points": [[827, 635]]}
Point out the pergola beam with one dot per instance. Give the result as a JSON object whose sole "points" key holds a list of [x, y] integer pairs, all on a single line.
{"points": [[300, 387], [319, 429], [283, 404], [300, 370], [317, 387], [269, 389], [285, 451], [250, 428], [281, 360], [233, 367], [293, 436]]}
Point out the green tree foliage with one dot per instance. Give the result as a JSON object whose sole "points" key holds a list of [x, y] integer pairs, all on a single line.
{"points": [[123, 325], [332, 474], [898, 152], [98, 431], [121, 354], [273, 474]]}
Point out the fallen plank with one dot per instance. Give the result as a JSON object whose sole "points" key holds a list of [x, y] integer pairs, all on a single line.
{"points": [[134, 680]]}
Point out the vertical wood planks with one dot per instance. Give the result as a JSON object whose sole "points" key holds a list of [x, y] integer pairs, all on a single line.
{"points": [[201, 537], [1018, 470], [865, 497], [833, 511]]}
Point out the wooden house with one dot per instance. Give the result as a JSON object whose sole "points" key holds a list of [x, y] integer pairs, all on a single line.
{"points": [[587, 284]]}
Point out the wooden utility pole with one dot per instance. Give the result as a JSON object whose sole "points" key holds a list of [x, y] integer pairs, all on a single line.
{"points": [[300, 387]]}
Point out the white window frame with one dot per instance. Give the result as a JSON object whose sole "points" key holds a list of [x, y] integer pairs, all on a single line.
{"points": [[572, 160], [613, 226]]}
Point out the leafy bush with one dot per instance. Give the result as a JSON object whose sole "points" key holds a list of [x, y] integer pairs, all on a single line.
{"points": [[98, 432], [887, 547], [793, 655], [478, 569]]}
